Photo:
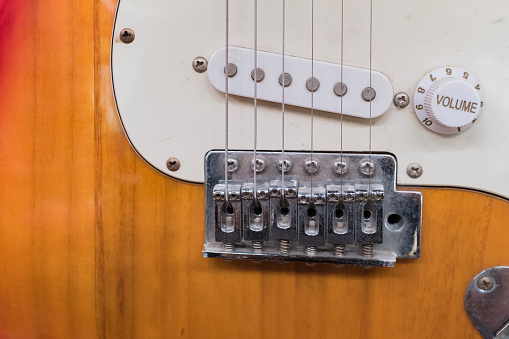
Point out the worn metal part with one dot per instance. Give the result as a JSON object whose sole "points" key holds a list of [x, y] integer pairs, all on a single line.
{"points": [[312, 84], [258, 73], [368, 94], [328, 223], [414, 170], [233, 165], [173, 164], [287, 79], [127, 35], [487, 302], [200, 64], [231, 70], [401, 100], [340, 89]]}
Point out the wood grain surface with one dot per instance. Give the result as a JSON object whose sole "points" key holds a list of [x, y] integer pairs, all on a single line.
{"points": [[96, 244]]}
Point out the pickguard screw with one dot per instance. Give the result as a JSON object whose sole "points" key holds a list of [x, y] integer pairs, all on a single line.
{"points": [[368, 94], [401, 100], [260, 165], [127, 35], [258, 73], [312, 84], [414, 170], [173, 164], [340, 167], [200, 64], [231, 70], [367, 167], [233, 165], [485, 283], [311, 166]]}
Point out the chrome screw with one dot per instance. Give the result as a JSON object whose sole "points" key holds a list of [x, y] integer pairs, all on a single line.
{"points": [[173, 164], [485, 283], [200, 64], [312, 84], [127, 35], [260, 165], [287, 79], [401, 100], [368, 94], [311, 166], [259, 73], [340, 89], [231, 70], [340, 167], [367, 167], [414, 170], [233, 165], [287, 165]]}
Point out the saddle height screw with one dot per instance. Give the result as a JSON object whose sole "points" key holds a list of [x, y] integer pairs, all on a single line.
{"points": [[200, 64], [127, 35], [401, 100], [414, 170], [173, 164], [485, 283]]}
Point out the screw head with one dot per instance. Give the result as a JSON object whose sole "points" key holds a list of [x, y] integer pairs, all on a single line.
{"points": [[367, 167], [401, 100], [340, 167], [288, 165], [311, 166], [127, 35], [173, 164], [200, 64], [485, 283], [260, 165], [414, 170], [233, 165], [368, 94]]}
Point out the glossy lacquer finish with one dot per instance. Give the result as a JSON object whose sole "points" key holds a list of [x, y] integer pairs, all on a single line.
{"points": [[96, 244]]}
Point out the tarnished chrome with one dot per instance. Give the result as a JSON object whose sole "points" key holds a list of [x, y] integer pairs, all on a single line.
{"points": [[233, 164], [333, 231], [487, 302], [231, 70], [340, 89], [368, 94]]}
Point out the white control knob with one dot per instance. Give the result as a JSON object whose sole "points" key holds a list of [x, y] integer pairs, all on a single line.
{"points": [[448, 100]]}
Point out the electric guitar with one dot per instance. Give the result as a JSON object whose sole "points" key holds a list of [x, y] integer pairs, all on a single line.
{"points": [[103, 236]]}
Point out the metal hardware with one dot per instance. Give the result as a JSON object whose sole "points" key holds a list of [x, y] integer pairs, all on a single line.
{"points": [[287, 165], [231, 69], [312, 84], [233, 165], [368, 94], [260, 165], [486, 302], [287, 79], [200, 64], [259, 73], [340, 89], [367, 167], [414, 170], [340, 167], [173, 164], [330, 223], [401, 100], [127, 35], [311, 166]]}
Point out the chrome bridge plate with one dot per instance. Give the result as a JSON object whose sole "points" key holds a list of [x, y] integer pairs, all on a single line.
{"points": [[341, 209]]}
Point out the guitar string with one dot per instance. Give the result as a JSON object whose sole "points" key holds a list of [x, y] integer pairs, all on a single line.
{"points": [[370, 84], [226, 104], [341, 97], [255, 195], [312, 81], [283, 113]]}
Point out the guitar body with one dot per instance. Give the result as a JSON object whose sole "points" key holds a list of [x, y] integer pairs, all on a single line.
{"points": [[96, 244]]}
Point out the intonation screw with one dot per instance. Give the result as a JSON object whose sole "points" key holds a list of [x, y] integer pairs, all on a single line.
{"points": [[368, 94], [485, 283], [200, 64], [233, 165], [414, 170], [312, 84], [231, 70], [401, 100], [340, 89], [173, 164], [287, 79], [367, 167], [258, 73], [127, 35]]}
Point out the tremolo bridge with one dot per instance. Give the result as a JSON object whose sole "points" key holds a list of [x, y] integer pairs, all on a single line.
{"points": [[331, 208]]}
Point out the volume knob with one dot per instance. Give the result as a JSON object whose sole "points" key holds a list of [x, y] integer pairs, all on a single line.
{"points": [[448, 100]]}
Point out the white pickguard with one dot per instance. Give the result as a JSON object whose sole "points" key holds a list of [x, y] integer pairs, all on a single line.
{"points": [[169, 110]]}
